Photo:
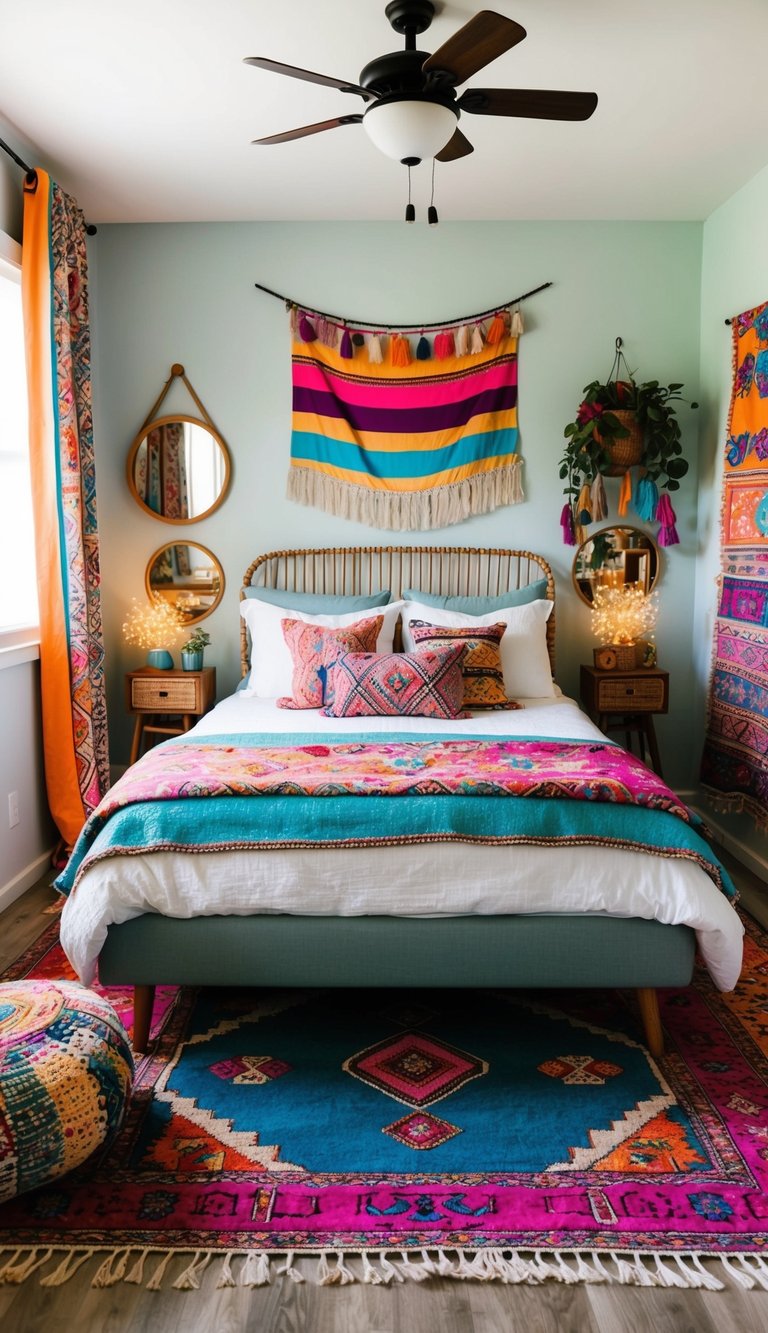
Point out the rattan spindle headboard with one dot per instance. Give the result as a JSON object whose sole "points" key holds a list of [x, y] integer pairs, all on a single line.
{"points": [[355, 570]]}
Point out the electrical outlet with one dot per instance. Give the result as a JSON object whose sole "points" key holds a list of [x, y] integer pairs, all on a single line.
{"points": [[13, 809]]}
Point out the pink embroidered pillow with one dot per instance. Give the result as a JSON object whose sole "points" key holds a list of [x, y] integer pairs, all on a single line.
{"points": [[314, 649], [424, 684], [481, 668]]}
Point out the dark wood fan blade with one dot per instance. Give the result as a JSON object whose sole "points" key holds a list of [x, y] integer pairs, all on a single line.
{"points": [[309, 129], [294, 72], [474, 46], [538, 104], [458, 146]]}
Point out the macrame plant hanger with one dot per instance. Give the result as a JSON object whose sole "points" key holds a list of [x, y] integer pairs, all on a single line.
{"points": [[620, 360]]}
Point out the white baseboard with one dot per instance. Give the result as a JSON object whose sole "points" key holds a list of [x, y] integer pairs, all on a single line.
{"points": [[752, 860], [24, 880]]}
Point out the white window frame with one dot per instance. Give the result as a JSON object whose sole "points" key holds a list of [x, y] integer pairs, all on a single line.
{"points": [[22, 643]]}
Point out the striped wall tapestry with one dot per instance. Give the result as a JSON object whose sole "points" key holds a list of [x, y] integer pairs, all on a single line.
{"points": [[735, 761], [409, 447]]}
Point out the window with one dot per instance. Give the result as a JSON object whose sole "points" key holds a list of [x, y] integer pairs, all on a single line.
{"points": [[18, 586]]}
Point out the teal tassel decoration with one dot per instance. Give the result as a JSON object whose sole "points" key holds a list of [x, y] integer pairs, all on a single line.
{"points": [[646, 499], [423, 349]]}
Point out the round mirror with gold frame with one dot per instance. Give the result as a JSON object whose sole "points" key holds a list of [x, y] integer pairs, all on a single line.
{"points": [[178, 469], [188, 576], [616, 557]]}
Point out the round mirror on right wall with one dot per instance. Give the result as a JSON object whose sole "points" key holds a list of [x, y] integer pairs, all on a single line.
{"points": [[616, 557]]}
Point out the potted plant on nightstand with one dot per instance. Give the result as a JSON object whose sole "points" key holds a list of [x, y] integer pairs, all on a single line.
{"points": [[192, 651], [622, 424]]}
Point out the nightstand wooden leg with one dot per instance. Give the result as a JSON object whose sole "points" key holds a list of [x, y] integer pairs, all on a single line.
{"points": [[138, 729], [143, 1004], [653, 749], [651, 1018]]}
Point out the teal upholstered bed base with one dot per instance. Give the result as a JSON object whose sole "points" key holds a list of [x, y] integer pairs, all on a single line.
{"points": [[538, 951], [526, 951]]}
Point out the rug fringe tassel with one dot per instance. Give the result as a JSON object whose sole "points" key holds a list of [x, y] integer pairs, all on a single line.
{"points": [[289, 1269], [189, 1280], [257, 1271], [67, 1268], [382, 1267]]}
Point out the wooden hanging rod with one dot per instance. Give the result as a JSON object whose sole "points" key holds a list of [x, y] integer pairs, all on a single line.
{"points": [[342, 321]]}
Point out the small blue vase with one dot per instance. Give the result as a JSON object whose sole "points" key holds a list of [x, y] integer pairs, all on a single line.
{"points": [[160, 659], [191, 661]]}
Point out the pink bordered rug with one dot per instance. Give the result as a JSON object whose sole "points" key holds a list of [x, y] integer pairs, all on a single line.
{"points": [[517, 1136]]}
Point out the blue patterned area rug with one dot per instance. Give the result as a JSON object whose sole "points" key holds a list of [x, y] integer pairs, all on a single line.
{"points": [[518, 1136]]}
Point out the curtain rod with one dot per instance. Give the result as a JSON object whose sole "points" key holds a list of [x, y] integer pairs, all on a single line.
{"points": [[31, 175], [353, 323]]}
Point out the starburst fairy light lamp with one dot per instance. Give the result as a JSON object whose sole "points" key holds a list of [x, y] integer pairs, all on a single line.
{"points": [[624, 618], [153, 626]]}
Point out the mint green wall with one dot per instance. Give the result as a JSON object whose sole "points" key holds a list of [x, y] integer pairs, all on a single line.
{"points": [[734, 278], [165, 293]]}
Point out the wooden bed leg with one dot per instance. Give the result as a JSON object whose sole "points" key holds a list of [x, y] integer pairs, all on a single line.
{"points": [[143, 1004], [649, 1013]]}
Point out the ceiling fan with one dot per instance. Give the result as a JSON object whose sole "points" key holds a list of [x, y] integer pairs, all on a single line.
{"points": [[413, 107]]}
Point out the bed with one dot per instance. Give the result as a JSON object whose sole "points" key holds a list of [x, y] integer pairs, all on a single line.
{"points": [[419, 909]]}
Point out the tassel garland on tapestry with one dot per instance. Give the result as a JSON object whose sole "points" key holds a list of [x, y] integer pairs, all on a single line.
{"points": [[405, 432], [735, 761], [58, 355]]}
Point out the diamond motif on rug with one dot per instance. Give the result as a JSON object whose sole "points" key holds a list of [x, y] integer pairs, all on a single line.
{"points": [[421, 1130], [255, 1069], [414, 1068], [581, 1069]]}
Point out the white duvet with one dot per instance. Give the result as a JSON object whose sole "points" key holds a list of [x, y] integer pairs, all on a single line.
{"points": [[443, 879]]}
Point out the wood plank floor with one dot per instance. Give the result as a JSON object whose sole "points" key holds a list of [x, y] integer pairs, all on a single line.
{"points": [[289, 1307]]}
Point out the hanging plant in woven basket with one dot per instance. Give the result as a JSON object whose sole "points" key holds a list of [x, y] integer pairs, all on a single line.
{"points": [[623, 425]]}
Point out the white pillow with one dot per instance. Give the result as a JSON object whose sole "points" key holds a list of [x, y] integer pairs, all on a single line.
{"points": [[524, 657], [271, 672]]}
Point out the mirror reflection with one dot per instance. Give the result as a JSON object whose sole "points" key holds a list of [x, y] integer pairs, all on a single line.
{"points": [[178, 469], [615, 557], [187, 575]]}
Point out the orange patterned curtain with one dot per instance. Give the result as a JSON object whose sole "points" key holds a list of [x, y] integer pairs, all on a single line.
{"points": [[734, 767], [58, 350]]}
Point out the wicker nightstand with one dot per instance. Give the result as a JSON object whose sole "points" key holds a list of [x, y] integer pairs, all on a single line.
{"points": [[626, 701], [157, 697]]}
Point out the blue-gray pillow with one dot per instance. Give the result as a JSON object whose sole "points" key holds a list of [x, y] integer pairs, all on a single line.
{"points": [[318, 603], [480, 606]]}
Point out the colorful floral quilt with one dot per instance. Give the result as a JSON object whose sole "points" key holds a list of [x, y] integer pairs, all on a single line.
{"points": [[261, 791]]}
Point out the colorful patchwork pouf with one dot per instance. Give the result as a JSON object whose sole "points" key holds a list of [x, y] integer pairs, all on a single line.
{"points": [[66, 1072]]}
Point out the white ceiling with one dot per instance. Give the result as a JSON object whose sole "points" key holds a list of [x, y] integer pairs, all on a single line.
{"points": [[145, 110]]}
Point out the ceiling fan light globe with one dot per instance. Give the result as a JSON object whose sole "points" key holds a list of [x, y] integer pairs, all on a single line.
{"points": [[409, 128]]}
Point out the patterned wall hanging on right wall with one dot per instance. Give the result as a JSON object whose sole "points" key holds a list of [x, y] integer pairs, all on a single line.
{"points": [[734, 770]]}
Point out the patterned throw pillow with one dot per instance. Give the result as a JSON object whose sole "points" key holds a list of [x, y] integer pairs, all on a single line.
{"points": [[481, 667], [314, 649], [423, 684]]}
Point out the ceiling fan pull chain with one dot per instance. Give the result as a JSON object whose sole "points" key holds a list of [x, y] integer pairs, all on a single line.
{"points": [[410, 211], [432, 217]]}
